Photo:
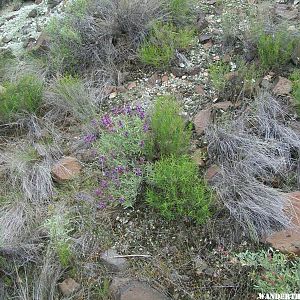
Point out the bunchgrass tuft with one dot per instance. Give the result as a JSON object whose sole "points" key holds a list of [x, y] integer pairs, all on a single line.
{"points": [[169, 134], [176, 190], [23, 96]]}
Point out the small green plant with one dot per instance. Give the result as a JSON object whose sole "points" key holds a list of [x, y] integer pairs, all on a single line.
{"points": [[169, 135], [24, 95], [119, 141], [159, 49], [180, 10], [58, 226], [176, 190], [102, 291], [295, 78], [217, 72], [272, 272], [274, 50]]}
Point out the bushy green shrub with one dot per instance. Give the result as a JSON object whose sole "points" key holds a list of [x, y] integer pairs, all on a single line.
{"points": [[159, 48], [217, 72], [176, 190], [180, 10], [272, 272], [169, 135], [274, 50], [24, 95], [295, 77]]}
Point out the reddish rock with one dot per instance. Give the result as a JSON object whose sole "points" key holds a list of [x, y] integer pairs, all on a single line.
{"points": [[283, 87], [288, 241], [211, 172], [199, 90], [68, 287], [66, 169], [223, 105], [194, 71], [208, 45], [131, 85], [202, 120], [165, 78], [41, 44], [126, 289], [108, 89], [154, 79]]}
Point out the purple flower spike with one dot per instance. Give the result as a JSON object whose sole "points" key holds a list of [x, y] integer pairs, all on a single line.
{"points": [[101, 205], [122, 200], [104, 184], [107, 121], [121, 124], [90, 138], [98, 192], [102, 159], [142, 144], [146, 127]]}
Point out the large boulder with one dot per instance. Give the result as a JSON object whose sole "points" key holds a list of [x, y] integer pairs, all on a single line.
{"points": [[66, 169]]}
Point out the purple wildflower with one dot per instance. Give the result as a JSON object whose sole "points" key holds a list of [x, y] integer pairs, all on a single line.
{"points": [[107, 121], [102, 159], [90, 138], [138, 172], [122, 200], [121, 124], [111, 198], [120, 169], [104, 184], [98, 192], [140, 112], [142, 144], [101, 205], [146, 127], [128, 110]]}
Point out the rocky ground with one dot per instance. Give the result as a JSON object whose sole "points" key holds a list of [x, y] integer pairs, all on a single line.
{"points": [[158, 259]]}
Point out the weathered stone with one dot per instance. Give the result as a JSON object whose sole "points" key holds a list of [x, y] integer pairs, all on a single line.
{"points": [[201, 120], [53, 3], [178, 72], [113, 95], [165, 78], [112, 261], [131, 85], [66, 169], [286, 12], [225, 105], [204, 38], [33, 13], [288, 241], [283, 87], [41, 45], [199, 89], [126, 289], [37, 2], [202, 23], [211, 172], [208, 45], [121, 89], [154, 79], [68, 287], [194, 71]]}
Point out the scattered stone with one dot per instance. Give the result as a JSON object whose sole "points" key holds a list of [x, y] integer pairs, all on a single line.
{"points": [[131, 85], [204, 38], [154, 79], [116, 264], [178, 72], [37, 2], [108, 89], [33, 13], [113, 95], [10, 17], [121, 89], [6, 39], [208, 45], [202, 23], [286, 12], [225, 105], [52, 3], [199, 90], [66, 169], [288, 241], [198, 158], [202, 120], [211, 172], [29, 42], [68, 287], [165, 78], [283, 87], [41, 45], [194, 71], [127, 289]]}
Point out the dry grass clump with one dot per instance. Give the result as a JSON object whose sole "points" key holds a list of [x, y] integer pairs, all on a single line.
{"points": [[255, 154], [103, 35]]}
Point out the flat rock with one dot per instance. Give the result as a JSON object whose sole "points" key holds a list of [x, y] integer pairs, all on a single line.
{"points": [[283, 87], [68, 287], [204, 38], [288, 241], [112, 261], [286, 12], [126, 289], [199, 89], [202, 120], [66, 169], [202, 23]]}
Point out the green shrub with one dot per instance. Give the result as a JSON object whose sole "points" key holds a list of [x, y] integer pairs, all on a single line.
{"points": [[176, 190], [272, 272], [24, 95], [169, 134], [58, 227], [217, 72], [274, 50], [180, 10], [159, 48], [295, 77]]}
